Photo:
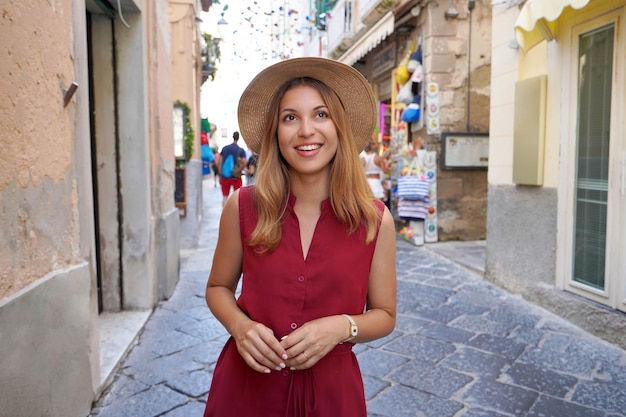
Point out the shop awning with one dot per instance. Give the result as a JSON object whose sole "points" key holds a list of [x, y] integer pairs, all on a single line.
{"points": [[537, 20], [377, 33]]}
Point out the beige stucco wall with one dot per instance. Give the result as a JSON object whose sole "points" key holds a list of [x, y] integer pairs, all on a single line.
{"points": [[38, 196], [47, 303], [508, 66], [186, 82], [48, 296]]}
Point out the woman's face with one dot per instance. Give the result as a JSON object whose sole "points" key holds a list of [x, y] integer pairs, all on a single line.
{"points": [[307, 136]]}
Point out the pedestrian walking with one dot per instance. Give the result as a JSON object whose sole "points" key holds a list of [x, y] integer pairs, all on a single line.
{"points": [[230, 166], [314, 248], [253, 161]]}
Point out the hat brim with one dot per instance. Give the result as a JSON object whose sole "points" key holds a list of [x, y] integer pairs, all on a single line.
{"points": [[351, 87]]}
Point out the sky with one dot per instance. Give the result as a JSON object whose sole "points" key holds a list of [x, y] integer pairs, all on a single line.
{"points": [[257, 34]]}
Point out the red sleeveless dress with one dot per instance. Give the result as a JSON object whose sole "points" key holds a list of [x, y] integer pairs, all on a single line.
{"points": [[283, 291]]}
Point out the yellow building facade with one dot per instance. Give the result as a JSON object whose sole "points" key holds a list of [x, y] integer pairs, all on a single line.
{"points": [[556, 221]]}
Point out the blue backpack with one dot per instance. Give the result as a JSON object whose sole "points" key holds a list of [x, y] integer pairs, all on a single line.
{"points": [[228, 166]]}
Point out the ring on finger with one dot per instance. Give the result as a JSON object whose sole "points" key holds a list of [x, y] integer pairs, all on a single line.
{"points": [[305, 356]]}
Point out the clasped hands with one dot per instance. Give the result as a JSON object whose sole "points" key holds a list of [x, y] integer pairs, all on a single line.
{"points": [[301, 349]]}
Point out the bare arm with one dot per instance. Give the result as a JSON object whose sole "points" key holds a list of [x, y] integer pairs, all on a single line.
{"points": [[256, 343], [318, 337]]}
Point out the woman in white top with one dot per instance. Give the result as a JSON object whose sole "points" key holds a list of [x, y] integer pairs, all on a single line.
{"points": [[374, 165]]}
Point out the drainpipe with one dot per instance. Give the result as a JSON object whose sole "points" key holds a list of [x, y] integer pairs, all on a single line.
{"points": [[470, 5]]}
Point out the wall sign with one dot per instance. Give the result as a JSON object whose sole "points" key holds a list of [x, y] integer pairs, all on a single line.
{"points": [[179, 131], [384, 60], [464, 151]]}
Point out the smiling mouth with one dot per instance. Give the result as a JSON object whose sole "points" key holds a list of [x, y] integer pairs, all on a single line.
{"points": [[308, 147]]}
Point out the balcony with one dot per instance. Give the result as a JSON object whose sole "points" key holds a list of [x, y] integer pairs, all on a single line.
{"points": [[351, 21], [210, 52], [339, 27], [371, 11]]}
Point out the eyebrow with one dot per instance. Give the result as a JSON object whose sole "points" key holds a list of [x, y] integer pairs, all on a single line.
{"points": [[320, 107]]}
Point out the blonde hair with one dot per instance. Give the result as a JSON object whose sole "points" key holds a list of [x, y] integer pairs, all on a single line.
{"points": [[351, 197]]}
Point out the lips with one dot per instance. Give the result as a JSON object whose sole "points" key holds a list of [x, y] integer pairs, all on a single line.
{"points": [[311, 147]]}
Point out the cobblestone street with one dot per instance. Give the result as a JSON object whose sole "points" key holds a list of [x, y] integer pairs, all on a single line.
{"points": [[461, 348]]}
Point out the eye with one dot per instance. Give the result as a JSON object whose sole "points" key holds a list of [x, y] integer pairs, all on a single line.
{"points": [[322, 114], [289, 118]]}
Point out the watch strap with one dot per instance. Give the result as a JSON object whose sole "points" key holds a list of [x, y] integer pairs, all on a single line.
{"points": [[354, 330]]}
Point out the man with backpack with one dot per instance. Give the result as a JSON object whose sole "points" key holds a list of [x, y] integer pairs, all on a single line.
{"points": [[231, 164]]}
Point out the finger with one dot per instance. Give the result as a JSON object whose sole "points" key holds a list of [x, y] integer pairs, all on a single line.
{"points": [[302, 361], [272, 351], [276, 351], [261, 344], [263, 354], [253, 363]]}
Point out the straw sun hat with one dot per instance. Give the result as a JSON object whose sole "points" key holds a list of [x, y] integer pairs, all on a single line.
{"points": [[351, 87]]}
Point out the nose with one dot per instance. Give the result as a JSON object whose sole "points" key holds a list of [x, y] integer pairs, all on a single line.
{"points": [[306, 127]]}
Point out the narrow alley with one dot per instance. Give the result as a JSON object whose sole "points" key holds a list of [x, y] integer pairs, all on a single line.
{"points": [[461, 348]]}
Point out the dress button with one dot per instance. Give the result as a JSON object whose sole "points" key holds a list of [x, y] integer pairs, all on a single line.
{"points": [[300, 278], [293, 326], [285, 373]]}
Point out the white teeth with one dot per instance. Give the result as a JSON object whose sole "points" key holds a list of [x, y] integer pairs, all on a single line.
{"points": [[308, 147]]}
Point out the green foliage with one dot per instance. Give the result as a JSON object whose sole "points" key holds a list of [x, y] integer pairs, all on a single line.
{"points": [[211, 54], [189, 134]]}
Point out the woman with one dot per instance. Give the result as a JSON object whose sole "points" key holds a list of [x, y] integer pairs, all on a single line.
{"points": [[375, 166], [315, 247]]}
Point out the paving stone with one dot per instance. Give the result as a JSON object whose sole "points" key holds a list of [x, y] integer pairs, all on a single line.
{"points": [[385, 340], [408, 323], [379, 363], [151, 403], [480, 412], [614, 372], [123, 387], [506, 347], [205, 353], [479, 293], [526, 336], [510, 312], [475, 362], [481, 324], [503, 398], [167, 342], [539, 379], [431, 378], [192, 384], [547, 406], [420, 348], [446, 313], [600, 395], [567, 362], [373, 386], [205, 330], [433, 296], [440, 407], [163, 319], [179, 301], [191, 409], [406, 303], [199, 313], [445, 333], [452, 282], [398, 401], [161, 369]]}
